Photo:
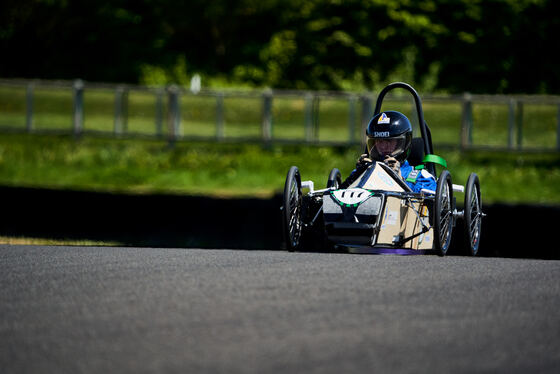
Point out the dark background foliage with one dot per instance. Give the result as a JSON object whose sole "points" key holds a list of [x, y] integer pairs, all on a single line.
{"points": [[485, 46]]}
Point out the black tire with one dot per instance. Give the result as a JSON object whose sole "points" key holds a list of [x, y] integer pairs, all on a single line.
{"points": [[292, 212], [443, 213], [473, 214], [335, 179]]}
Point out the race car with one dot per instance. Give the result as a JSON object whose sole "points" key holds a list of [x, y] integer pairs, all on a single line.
{"points": [[378, 212]]}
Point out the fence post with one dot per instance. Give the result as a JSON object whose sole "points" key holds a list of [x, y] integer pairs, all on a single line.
{"points": [[121, 110], [220, 116], [267, 116], [351, 118], [466, 121], [558, 127], [316, 124], [159, 112], [78, 118], [124, 103], [511, 122], [367, 113], [519, 124], [119, 97], [414, 113], [308, 116], [174, 114], [29, 107]]}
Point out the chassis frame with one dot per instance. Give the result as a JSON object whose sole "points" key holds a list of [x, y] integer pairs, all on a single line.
{"points": [[306, 224]]}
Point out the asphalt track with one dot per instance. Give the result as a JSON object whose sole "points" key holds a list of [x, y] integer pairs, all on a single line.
{"points": [[135, 310]]}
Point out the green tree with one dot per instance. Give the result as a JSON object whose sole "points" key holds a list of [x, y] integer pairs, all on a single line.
{"points": [[491, 46]]}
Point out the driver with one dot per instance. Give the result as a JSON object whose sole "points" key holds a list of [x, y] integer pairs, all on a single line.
{"points": [[389, 137]]}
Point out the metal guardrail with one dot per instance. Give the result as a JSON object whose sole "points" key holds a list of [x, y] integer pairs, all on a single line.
{"points": [[169, 122]]}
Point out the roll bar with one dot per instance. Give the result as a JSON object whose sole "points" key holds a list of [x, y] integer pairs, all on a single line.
{"points": [[424, 129]]}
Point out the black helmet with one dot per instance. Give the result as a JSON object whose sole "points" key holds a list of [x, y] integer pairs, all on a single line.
{"points": [[389, 134]]}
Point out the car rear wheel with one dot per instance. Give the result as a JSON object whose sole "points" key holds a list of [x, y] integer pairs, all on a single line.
{"points": [[473, 214], [335, 179], [443, 216], [292, 209]]}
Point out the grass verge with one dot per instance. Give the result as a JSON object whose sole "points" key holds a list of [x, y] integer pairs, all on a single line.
{"points": [[239, 170]]}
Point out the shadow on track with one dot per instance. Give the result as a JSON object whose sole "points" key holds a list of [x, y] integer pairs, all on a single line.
{"points": [[519, 231]]}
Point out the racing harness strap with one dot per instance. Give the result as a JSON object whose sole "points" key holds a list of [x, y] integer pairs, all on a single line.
{"points": [[434, 159]]}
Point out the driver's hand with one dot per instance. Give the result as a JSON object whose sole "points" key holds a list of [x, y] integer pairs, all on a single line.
{"points": [[393, 164], [363, 162]]}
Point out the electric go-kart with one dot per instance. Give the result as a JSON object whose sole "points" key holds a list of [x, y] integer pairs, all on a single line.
{"points": [[378, 212]]}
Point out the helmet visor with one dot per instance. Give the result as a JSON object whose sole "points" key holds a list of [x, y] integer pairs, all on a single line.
{"points": [[380, 148]]}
